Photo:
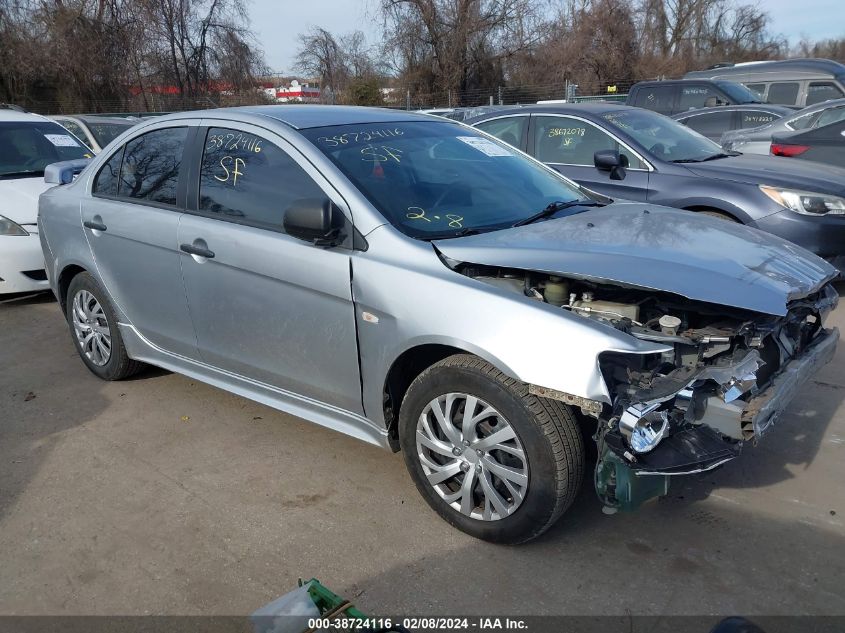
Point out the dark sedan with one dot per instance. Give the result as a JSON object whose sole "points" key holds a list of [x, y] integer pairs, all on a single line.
{"points": [[713, 122], [626, 152], [822, 144]]}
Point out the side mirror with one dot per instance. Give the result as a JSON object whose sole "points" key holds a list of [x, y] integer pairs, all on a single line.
{"points": [[612, 161], [63, 173], [315, 220], [711, 102]]}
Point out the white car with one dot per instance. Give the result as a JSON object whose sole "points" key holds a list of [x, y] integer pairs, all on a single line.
{"points": [[95, 131], [28, 143]]}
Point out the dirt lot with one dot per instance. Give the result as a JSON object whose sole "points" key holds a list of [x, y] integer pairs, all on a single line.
{"points": [[164, 495]]}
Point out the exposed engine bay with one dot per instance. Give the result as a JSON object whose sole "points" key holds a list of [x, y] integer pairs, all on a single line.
{"points": [[723, 379]]}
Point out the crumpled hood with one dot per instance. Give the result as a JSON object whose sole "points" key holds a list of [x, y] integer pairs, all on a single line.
{"points": [[757, 169], [19, 198], [634, 244]]}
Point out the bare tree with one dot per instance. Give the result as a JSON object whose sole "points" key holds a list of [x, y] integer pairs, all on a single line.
{"points": [[455, 45]]}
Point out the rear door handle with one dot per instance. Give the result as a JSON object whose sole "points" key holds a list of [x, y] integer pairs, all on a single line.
{"points": [[94, 226], [199, 251]]}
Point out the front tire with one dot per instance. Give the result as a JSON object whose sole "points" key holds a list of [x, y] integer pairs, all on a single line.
{"points": [[493, 460], [93, 327]]}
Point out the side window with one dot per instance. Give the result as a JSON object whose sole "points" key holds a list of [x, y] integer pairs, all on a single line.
{"points": [[819, 91], [757, 89], [151, 164], [755, 118], [713, 124], [573, 142], [72, 127], [784, 92], [831, 115], [657, 98], [511, 130], [802, 122], [247, 179], [693, 97], [105, 184]]}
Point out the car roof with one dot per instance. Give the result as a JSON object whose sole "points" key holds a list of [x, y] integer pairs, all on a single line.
{"points": [[821, 105], [593, 107], [807, 64], [306, 116], [15, 115], [670, 82], [773, 108]]}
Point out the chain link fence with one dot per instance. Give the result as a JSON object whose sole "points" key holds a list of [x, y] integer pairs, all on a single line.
{"points": [[396, 97]]}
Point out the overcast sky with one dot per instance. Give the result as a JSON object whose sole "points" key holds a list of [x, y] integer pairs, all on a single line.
{"points": [[278, 22]]}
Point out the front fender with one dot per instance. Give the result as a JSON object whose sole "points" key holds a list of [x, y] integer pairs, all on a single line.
{"points": [[410, 306]]}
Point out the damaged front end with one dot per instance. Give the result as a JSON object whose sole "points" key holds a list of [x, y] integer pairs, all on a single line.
{"points": [[725, 376], [725, 381]]}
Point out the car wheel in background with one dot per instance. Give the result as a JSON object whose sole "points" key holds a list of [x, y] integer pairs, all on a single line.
{"points": [[93, 327], [718, 214], [490, 458]]}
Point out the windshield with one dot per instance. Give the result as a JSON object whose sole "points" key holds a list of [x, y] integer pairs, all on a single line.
{"points": [[437, 179], [27, 148], [664, 138], [105, 133], [739, 93]]}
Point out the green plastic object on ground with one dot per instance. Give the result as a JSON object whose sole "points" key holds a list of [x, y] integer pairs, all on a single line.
{"points": [[329, 603]]}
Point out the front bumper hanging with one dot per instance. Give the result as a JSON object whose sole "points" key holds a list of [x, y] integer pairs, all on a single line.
{"points": [[624, 480]]}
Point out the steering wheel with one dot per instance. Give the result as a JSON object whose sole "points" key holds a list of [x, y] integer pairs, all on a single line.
{"points": [[32, 162], [449, 189], [657, 148]]}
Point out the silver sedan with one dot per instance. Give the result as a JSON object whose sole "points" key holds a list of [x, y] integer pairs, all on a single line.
{"points": [[421, 286]]}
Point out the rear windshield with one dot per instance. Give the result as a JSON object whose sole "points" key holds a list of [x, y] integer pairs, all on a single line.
{"points": [[27, 148], [105, 133]]}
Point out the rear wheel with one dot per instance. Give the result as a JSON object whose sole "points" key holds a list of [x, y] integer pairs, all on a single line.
{"points": [[93, 326], [490, 458]]}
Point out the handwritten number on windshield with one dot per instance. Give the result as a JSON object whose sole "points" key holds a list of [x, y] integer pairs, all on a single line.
{"points": [[418, 213]]}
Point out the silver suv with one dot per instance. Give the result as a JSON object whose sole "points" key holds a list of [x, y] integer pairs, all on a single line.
{"points": [[421, 286]]}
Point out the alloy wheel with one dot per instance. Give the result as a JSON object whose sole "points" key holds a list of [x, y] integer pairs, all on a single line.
{"points": [[472, 457], [91, 328]]}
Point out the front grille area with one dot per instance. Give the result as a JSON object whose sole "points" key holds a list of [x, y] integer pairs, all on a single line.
{"points": [[36, 275]]}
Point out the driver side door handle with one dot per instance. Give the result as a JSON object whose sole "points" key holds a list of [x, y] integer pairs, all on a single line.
{"points": [[94, 225]]}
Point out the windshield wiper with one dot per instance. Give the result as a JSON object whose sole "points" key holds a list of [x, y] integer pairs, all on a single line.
{"points": [[706, 158], [23, 174], [554, 207]]}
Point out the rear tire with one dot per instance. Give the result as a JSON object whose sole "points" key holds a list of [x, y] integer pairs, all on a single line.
{"points": [[93, 328], [538, 444]]}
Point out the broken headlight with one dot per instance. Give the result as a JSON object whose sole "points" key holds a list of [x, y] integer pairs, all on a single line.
{"points": [[643, 426], [805, 202]]}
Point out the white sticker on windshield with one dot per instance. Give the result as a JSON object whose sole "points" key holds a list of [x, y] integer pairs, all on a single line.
{"points": [[484, 145], [61, 140]]}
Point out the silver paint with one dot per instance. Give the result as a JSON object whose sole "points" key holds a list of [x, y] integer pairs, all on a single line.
{"points": [[281, 321]]}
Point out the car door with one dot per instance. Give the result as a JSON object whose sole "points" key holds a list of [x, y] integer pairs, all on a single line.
{"points": [[712, 124], [266, 306], [568, 144], [130, 221]]}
